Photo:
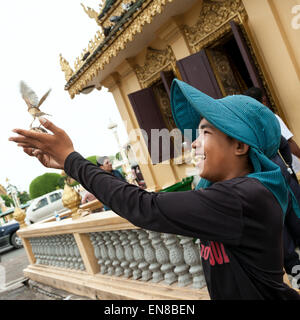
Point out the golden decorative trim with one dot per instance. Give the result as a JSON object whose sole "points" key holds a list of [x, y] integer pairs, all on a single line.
{"points": [[117, 11], [155, 62], [65, 67], [148, 11], [213, 22], [254, 54], [91, 13]]}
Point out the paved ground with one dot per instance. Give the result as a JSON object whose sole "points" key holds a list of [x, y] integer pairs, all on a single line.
{"points": [[14, 261], [13, 285]]}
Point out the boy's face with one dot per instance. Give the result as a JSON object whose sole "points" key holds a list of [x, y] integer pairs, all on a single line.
{"points": [[215, 153]]}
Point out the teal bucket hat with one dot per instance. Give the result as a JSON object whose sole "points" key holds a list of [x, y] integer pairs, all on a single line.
{"points": [[242, 118]]}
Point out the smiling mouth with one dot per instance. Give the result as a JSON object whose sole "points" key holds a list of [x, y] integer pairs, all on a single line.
{"points": [[197, 159], [200, 157]]}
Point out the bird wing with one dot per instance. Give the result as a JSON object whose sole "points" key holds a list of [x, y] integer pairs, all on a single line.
{"points": [[28, 94], [44, 97]]}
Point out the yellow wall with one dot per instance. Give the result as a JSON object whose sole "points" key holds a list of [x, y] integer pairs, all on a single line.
{"points": [[270, 22]]}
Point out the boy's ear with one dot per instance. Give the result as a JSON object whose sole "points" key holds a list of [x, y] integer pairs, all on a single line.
{"points": [[241, 148]]}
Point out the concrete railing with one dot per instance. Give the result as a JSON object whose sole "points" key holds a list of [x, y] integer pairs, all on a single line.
{"points": [[103, 256]]}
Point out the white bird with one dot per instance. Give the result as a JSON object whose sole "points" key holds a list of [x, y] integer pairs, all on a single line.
{"points": [[32, 101]]}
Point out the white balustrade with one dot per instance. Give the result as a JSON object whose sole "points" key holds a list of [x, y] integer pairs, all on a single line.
{"points": [[136, 253], [59, 251]]}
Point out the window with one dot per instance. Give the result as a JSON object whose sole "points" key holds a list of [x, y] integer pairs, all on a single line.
{"points": [[42, 203], [55, 196]]}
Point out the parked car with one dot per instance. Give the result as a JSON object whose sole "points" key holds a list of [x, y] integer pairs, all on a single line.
{"points": [[44, 206], [8, 235]]}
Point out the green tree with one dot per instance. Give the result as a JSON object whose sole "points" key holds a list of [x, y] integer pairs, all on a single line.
{"points": [[118, 156], [44, 184], [23, 197], [8, 200], [92, 159]]}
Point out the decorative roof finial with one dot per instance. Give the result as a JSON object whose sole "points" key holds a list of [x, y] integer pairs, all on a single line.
{"points": [[90, 12], [65, 67]]}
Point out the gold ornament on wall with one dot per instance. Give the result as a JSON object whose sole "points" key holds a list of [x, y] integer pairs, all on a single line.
{"points": [[213, 22], [155, 62]]}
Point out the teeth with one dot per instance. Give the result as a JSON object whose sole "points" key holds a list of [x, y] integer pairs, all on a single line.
{"points": [[200, 157], [197, 158]]}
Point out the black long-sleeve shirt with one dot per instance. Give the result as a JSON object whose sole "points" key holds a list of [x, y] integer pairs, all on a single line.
{"points": [[238, 221]]}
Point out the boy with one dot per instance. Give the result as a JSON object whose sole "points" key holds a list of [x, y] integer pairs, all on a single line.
{"points": [[237, 214]]}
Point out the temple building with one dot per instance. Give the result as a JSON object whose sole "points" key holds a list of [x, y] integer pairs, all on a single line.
{"points": [[221, 47]]}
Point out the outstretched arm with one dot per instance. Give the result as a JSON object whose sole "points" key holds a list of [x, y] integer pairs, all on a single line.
{"points": [[212, 214]]}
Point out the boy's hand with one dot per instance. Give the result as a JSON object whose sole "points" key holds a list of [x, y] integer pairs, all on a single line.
{"points": [[50, 149]]}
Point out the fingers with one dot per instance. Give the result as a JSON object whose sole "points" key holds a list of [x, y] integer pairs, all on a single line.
{"points": [[33, 152], [49, 125], [37, 154], [29, 151], [24, 141], [29, 133]]}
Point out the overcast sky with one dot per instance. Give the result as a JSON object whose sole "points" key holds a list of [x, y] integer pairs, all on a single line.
{"points": [[33, 34]]}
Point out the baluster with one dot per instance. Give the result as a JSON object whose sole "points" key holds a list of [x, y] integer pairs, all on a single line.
{"points": [[119, 271], [42, 249], [72, 259], [128, 253], [61, 252], [192, 258], [94, 241], [149, 255], [137, 255], [108, 261], [50, 259], [44, 246], [39, 250], [55, 251], [111, 253], [67, 251], [162, 255], [54, 238], [176, 258], [103, 251], [155, 267], [47, 250]]}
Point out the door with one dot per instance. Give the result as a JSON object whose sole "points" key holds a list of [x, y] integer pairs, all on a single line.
{"points": [[247, 57], [246, 54], [197, 71], [149, 117]]}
